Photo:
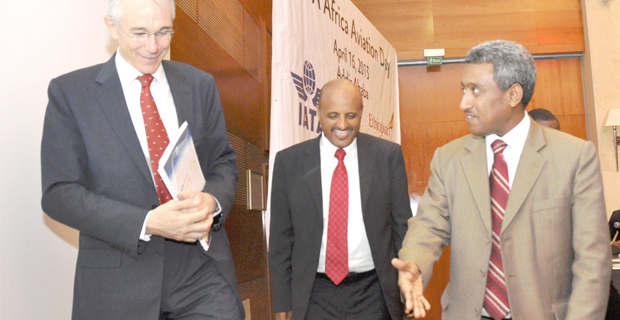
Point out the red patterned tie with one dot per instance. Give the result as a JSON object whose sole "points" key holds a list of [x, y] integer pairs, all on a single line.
{"points": [[337, 253], [156, 135], [496, 297]]}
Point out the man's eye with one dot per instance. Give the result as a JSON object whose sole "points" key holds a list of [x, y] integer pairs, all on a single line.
{"points": [[140, 34]]}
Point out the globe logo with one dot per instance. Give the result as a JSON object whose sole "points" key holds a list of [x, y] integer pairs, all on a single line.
{"points": [[309, 84]]}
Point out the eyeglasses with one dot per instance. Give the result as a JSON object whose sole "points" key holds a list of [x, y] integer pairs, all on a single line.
{"points": [[163, 35]]}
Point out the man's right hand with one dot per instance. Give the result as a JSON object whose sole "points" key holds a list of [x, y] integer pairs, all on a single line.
{"points": [[284, 315], [180, 220], [411, 287]]}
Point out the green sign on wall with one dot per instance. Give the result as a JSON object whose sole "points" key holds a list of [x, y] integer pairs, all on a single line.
{"points": [[434, 61]]}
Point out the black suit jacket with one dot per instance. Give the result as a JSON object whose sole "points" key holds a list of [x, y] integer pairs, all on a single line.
{"points": [[95, 179], [297, 219]]}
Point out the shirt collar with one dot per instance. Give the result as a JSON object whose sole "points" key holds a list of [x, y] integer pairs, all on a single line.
{"points": [[329, 149], [515, 138], [127, 73]]}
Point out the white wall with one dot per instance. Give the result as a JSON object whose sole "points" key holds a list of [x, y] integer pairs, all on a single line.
{"points": [[41, 39]]}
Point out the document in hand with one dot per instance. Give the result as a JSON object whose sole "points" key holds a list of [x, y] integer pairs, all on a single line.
{"points": [[179, 167]]}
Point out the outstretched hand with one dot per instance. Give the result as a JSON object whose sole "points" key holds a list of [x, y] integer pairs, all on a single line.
{"points": [[411, 287]]}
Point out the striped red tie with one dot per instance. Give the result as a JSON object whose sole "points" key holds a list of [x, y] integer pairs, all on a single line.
{"points": [[156, 135], [337, 253], [496, 297]]}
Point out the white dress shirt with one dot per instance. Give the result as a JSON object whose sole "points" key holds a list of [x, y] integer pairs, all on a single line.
{"points": [[160, 90], [515, 139], [360, 257]]}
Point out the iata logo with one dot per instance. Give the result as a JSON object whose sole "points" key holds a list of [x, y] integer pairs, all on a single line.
{"points": [[306, 87]]}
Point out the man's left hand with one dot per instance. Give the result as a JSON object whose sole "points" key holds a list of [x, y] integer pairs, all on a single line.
{"points": [[207, 202]]}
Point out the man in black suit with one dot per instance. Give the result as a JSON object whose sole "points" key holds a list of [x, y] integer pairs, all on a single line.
{"points": [[141, 255], [316, 271]]}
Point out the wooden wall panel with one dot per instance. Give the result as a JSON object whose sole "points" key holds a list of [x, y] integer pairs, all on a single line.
{"points": [[430, 117], [426, 99], [412, 26], [259, 10], [240, 92], [559, 89], [227, 38]]}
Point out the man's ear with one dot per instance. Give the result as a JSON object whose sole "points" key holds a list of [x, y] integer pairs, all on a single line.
{"points": [[515, 95], [111, 27]]}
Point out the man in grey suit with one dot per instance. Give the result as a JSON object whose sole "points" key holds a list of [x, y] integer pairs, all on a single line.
{"points": [[305, 208], [141, 255], [521, 206]]}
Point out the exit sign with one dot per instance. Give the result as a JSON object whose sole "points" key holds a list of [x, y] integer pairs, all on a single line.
{"points": [[434, 61]]}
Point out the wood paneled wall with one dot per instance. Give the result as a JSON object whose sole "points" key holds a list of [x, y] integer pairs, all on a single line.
{"points": [[542, 26], [430, 117], [230, 39]]}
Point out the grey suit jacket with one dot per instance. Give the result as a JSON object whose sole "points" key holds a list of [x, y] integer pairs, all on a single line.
{"points": [[95, 179], [297, 219], [554, 241]]}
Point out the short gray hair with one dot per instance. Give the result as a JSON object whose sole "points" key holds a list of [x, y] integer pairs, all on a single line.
{"points": [[512, 63], [115, 11]]}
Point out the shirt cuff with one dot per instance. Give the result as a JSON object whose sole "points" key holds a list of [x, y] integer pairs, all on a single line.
{"points": [[218, 210], [143, 235], [205, 242]]}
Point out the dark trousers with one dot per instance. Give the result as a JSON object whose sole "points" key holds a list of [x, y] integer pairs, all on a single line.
{"points": [[613, 304], [358, 297], [194, 288]]}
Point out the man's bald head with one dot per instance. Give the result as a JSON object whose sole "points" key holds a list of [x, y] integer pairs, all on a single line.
{"points": [[340, 112]]}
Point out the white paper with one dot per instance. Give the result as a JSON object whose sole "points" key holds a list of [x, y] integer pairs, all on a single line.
{"points": [[179, 167]]}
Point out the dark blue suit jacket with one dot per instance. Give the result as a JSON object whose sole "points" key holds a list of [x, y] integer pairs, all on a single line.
{"points": [[95, 179]]}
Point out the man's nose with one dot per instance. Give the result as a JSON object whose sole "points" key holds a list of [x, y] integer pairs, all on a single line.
{"points": [[151, 43], [465, 101], [341, 123]]}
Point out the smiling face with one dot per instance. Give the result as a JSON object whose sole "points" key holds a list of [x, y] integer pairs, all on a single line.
{"points": [[340, 112], [142, 16], [489, 109]]}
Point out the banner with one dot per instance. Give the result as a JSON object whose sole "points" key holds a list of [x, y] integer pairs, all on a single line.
{"points": [[315, 41]]}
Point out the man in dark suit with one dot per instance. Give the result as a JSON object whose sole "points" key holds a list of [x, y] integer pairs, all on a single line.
{"points": [[141, 255], [521, 206], [329, 247]]}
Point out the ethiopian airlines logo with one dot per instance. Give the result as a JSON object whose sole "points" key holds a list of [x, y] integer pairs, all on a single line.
{"points": [[308, 92]]}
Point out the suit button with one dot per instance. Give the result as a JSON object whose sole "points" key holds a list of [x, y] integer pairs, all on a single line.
{"points": [[159, 254], [482, 272], [488, 239]]}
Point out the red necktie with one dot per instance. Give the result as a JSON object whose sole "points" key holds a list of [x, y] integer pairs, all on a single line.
{"points": [[337, 253], [496, 297], [156, 135]]}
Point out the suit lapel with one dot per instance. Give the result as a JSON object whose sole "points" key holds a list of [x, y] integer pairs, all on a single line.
{"points": [[365, 160], [112, 102], [181, 92], [474, 166], [311, 164], [528, 170]]}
